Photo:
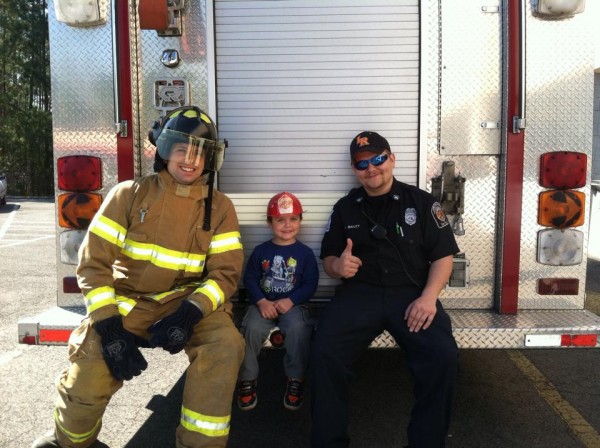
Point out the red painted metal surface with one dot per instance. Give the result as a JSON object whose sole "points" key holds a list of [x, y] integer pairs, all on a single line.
{"points": [[515, 146], [125, 169]]}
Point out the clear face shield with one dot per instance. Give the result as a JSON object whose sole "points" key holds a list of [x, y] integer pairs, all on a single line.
{"points": [[191, 150]]}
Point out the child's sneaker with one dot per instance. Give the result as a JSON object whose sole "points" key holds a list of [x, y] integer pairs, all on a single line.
{"points": [[246, 395], [294, 395]]}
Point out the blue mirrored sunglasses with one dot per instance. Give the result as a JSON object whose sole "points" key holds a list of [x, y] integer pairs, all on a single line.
{"points": [[362, 165]]}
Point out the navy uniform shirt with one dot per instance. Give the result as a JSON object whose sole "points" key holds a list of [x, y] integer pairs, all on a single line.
{"points": [[396, 235]]}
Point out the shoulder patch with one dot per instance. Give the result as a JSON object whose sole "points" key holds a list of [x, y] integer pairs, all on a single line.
{"points": [[438, 215]]}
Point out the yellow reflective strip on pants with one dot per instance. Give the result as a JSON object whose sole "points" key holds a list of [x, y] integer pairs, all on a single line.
{"points": [[99, 297], [211, 290], [73, 437], [205, 424], [164, 258], [225, 242], [108, 230]]}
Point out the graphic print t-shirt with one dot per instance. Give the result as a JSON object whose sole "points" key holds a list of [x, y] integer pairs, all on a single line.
{"points": [[275, 272]]}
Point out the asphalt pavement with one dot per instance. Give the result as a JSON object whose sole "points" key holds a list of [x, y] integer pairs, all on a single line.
{"points": [[505, 398]]}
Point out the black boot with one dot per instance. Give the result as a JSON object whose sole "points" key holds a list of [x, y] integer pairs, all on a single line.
{"points": [[48, 440]]}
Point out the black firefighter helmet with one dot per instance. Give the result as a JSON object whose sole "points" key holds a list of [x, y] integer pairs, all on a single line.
{"points": [[191, 126]]}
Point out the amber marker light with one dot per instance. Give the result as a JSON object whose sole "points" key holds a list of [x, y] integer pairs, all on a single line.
{"points": [[561, 208]]}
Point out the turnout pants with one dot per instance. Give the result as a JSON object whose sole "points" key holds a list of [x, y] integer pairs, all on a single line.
{"points": [[349, 323], [215, 352]]}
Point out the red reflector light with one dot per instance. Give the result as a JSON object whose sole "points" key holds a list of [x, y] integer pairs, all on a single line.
{"points": [[579, 340], [29, 340], [563, 169], [561, 208], [76, 210], [54, 336], [70, 285], [277, 338], [558, 286], [79, 173]]}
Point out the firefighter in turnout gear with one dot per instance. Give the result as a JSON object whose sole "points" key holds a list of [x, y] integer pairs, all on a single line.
{"points": [[159, 262]]}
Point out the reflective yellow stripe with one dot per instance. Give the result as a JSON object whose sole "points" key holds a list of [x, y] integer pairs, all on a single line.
{"points": [[99, 297], [211, 290], [108, 230], [73, 437], [125, 305], [205, 424], [225, 242], [164, 258]]}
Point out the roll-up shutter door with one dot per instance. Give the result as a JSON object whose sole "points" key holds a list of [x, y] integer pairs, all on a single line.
{"points": [[297, 79]]}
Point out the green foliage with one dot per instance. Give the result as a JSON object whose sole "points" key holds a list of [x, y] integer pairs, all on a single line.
{"points": [[25, 116]]}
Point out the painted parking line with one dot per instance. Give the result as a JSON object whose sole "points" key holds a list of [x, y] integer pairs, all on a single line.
{"points": [[19, 242], [6, 224], [578, 425]]}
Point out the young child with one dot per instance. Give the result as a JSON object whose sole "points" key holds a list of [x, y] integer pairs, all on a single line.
{"points": [[281, 275]]}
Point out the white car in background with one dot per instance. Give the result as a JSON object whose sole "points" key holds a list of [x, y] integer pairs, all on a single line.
{"points": [[2, 189]]}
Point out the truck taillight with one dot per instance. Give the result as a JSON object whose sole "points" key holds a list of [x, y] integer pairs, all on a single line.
{"points": [[561, 208], [563, 169], [79, 13], [79, 173], [560, 247], [76, 210], [558, 286], [70, 241], [70, 285]]}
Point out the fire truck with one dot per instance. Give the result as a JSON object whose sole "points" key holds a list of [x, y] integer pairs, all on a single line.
{"points": [[488, 105]]}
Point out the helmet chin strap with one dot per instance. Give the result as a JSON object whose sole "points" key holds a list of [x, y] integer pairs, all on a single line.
{"points": [[208, 202]]}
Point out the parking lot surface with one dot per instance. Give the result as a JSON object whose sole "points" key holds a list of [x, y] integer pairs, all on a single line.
{"points": [[505, 398]]}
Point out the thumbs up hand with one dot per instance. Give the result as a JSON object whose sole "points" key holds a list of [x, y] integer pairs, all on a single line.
{"points": [[347, 265]]}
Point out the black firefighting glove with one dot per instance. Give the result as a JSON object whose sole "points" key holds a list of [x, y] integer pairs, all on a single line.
{"points": [[175, 330], [119, 348]]}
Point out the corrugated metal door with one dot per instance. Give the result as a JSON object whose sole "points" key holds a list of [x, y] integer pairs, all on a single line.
{"points": [[297, 79]]}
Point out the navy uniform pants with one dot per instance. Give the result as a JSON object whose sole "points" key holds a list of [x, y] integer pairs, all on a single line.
{"points": [[347, 325]]}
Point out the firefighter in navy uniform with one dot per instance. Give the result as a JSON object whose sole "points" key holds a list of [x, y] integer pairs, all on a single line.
{"points": [[392, 246], [157, 267]]}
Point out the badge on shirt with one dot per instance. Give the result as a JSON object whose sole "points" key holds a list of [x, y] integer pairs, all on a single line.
{"points": [[410, 216], [438, 215]]}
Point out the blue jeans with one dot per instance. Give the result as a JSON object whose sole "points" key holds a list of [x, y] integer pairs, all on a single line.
{"points": [[297, 327]]}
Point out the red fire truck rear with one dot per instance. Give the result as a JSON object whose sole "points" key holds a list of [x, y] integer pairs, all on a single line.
{"points": [[487, 105]]}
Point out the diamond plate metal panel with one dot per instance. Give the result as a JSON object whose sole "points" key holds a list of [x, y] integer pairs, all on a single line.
{"points": [[470, 78], [481, 171], [487, 329], [82, 105], [192, 48], [559, 103]]}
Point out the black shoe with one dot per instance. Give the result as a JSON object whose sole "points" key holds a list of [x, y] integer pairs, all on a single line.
{"points": [[48, 440], [246, 395], [294, 394]]}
